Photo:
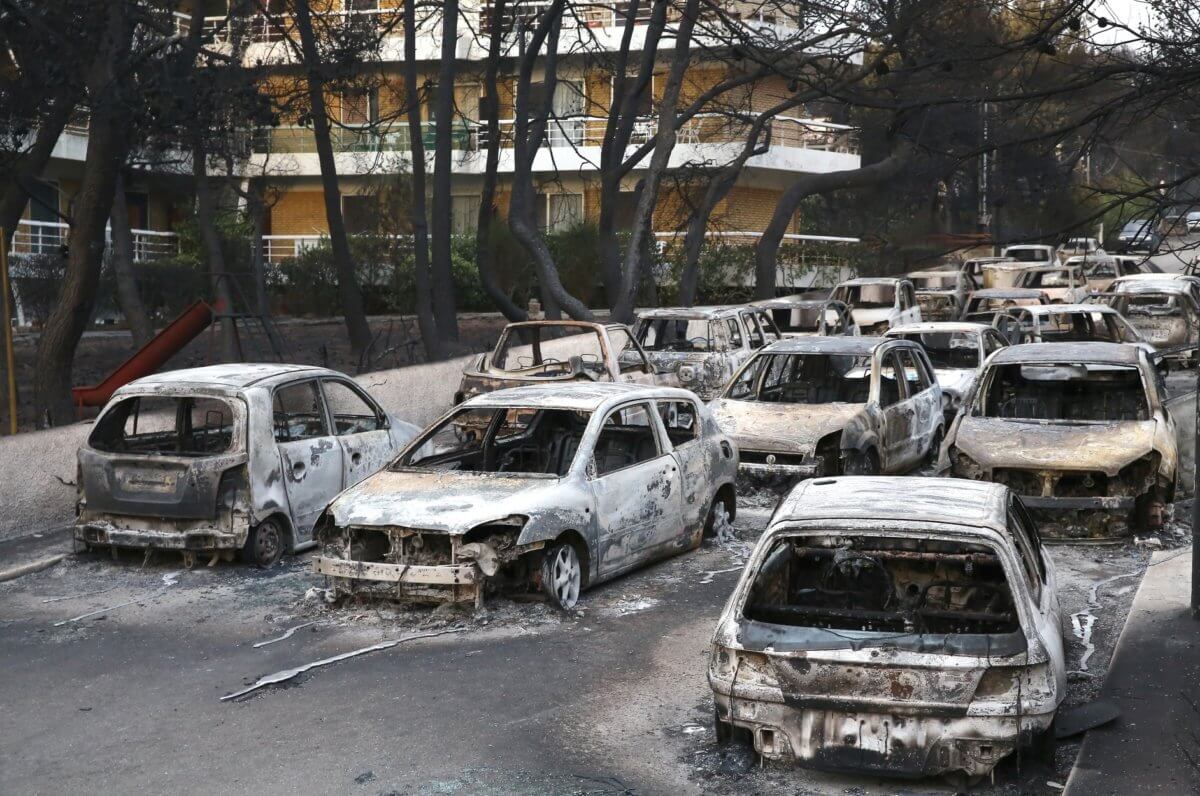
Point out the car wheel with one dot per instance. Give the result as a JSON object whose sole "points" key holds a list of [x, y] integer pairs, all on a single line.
{"points": [[861, 463], [935, 448], [562, 575], [717, 521], [264, 544]]}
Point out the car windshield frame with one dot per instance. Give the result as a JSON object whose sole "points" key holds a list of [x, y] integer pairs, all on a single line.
{"points": [[713, 340], [760, 367], [1058, 373], [544, 364], [125, 408], [935, 355], [843, 293]]}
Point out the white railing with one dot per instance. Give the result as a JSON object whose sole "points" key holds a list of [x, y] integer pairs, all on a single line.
{"points": [[269, 29], [49, 237], [572, 131]]}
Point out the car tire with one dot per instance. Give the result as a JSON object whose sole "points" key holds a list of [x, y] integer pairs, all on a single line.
{"points": [[935, 448], [861, 463], [718, 516], [264, 544], [562, 575]]}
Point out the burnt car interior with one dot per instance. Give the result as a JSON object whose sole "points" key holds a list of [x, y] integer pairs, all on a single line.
{"points": [[1071, 393], [526, 441], [807, 379], [1151, 305], [1069, 327], [168, 426], [549, 351], [883, 584], [865, 297], [675, 334], [948, 350]]}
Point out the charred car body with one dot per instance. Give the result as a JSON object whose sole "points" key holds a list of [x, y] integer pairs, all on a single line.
{"points": [[897, 626], [878, 304], [957, 352], [1069, 323], [797, 316], [941, 295], [824, 405], [1163, 310], [228, 458], [556, 487], [984, 305], [699, 348], [1079, 430], [1062, 284], [537, 352]]}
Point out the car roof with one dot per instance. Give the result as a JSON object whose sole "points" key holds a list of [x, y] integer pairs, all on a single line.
{"points": [[689, 312], [948, 274], [872, 280], [840, 344], [788, 302], [1158, 277], [1063, 309], [937, 326], [1029, 246], [1006, 292], [1052, 353], [582, 396], [236, 376], [943, 500]]}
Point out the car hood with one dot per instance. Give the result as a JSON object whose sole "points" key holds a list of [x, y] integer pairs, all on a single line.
{"points": [[438, 501], [781, 428], [955, 381], [1030, 445], [869, 317]]}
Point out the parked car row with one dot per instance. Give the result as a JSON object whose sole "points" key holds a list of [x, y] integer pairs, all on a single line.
{"points": [[885, 622]]}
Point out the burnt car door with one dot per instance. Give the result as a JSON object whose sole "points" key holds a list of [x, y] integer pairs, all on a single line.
{"points": [[310, 453], [637, 489], [361, 428], [897, 418], [632, 364], [681, 421]]}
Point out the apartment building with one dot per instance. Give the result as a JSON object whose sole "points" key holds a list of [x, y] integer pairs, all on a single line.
{"points": [[372, 138]]}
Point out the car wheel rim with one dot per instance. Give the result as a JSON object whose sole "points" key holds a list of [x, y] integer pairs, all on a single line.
{"points": [[566, 576], [267, 544]]}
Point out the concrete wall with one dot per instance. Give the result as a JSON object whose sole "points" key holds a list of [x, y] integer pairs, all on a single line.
{"points": [[37, 470]]}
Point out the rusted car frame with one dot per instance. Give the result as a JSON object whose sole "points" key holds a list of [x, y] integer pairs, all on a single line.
{"points": [[797, 316], [566, 486], [558, 351], [957, 351], [896, 626], [1079, 430], [1062, 284], [213, 461], [824, 405], [1165, 313], [984, 305], [878, 303], [699, 348], [941, 295]]}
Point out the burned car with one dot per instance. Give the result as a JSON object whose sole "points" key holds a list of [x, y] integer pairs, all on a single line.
{"points": [[895, 626], [797, 316], [825, 405], [699, 348], [1165, 314], [564, 486], [536, 352], [228, 458], [1079, 430], [984, 305], [878, 304], [1062, 284], [957, 352], [1069, 323], [941, 294]]}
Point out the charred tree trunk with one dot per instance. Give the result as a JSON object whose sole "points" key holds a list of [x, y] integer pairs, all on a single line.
{"points": [[445, 311], [490, 108], [353, 308], [426, 322], [141, 329], [806, 185], [107, 147], [210, 236]]}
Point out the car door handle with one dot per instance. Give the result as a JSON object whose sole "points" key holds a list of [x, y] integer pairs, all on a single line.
{"points": [[298, 467], [356, 458]]}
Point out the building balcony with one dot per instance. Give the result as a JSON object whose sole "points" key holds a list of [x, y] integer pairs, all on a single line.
{"points": [[50, 238], [572, 144]]}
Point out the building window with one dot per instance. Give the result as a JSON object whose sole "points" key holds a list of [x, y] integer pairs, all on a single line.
{"points": [[360, 107], [559, 212], [464, 214], [361, 213], [362, 5]]}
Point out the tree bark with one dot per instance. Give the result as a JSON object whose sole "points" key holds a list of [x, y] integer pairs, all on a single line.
{"points": [[767, 250], [106, 150], [641, 239], [445, 310], [490, 107], [426, 322], [353, 308], [141, 329], [219, 276]]}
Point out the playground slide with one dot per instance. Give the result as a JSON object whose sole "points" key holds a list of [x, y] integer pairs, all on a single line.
{"points": [[150, 357]]}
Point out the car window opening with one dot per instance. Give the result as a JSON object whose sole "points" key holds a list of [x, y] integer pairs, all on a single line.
{"points": [[804, 379], [517, 441], [675, 334], [165, 425], [549, 351], [1068, 393]]}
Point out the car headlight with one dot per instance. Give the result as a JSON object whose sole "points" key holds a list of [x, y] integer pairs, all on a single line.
{"points": [[964, 466]]}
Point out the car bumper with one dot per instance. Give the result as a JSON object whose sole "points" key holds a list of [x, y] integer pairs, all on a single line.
{"points": [[107, 534], [453, 582], [762, 470]]}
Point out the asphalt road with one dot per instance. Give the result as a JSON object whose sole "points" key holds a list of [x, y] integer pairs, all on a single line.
{"points": [[524, 700]]}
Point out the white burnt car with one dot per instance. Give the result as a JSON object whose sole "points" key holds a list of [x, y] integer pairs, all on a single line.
{"points": [[825, 405], [552, 487], [699, 348], [896, 626], [957, 351], [797, 316], [878, 303], [1079, 430], [228, 458]]}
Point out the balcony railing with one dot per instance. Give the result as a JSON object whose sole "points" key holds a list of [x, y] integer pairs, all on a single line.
{"points": [[272, 28], [470, 136], [49, 237]]}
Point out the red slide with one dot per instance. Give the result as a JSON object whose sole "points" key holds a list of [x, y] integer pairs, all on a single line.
{"points": [[150, 357]]}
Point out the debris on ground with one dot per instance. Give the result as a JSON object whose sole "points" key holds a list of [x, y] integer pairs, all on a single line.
{"points": [[287, 634]]}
